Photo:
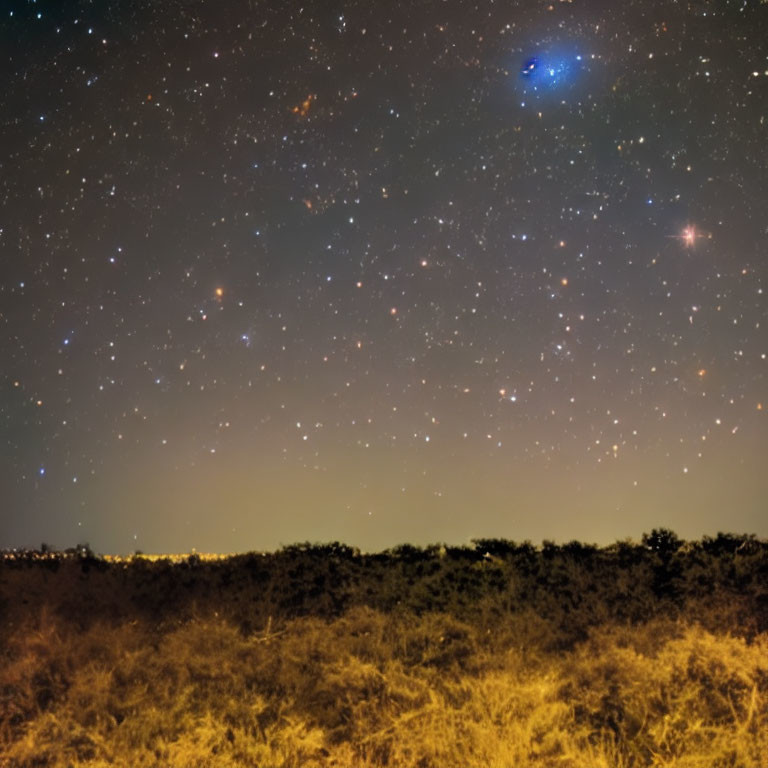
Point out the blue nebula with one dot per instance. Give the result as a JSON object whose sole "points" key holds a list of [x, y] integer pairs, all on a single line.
{"points": [[546, 72]]}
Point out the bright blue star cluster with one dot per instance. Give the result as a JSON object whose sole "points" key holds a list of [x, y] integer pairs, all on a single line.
{"points": [[547, 71]]}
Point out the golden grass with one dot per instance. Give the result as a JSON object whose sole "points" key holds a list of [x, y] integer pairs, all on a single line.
{"points": [[370, 689]]}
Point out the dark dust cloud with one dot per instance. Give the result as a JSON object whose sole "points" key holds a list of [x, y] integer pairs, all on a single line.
{"points": [[381, 272]]}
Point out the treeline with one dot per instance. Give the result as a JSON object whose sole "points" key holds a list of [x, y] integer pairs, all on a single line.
{"points": [[572, 587]]}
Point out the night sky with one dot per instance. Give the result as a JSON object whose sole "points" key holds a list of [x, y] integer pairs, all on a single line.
{"points": [[381, 272]]}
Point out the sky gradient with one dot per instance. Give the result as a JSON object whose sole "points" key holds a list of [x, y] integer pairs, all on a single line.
{"points": [[381, 272]]}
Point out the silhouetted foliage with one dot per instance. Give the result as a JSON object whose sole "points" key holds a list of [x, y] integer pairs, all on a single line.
{"points": [[662, 541]]}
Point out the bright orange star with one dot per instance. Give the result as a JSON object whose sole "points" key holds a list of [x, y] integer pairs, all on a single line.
{"points": [[688, 236]]}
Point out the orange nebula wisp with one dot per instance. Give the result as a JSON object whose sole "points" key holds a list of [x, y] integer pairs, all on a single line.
{"points": [[302, 110]]}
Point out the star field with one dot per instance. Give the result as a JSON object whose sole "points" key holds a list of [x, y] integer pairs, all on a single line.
{"points": [[274, 272]]}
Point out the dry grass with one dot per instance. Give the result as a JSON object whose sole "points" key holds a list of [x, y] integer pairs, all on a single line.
{"points": [[370, 689]]}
